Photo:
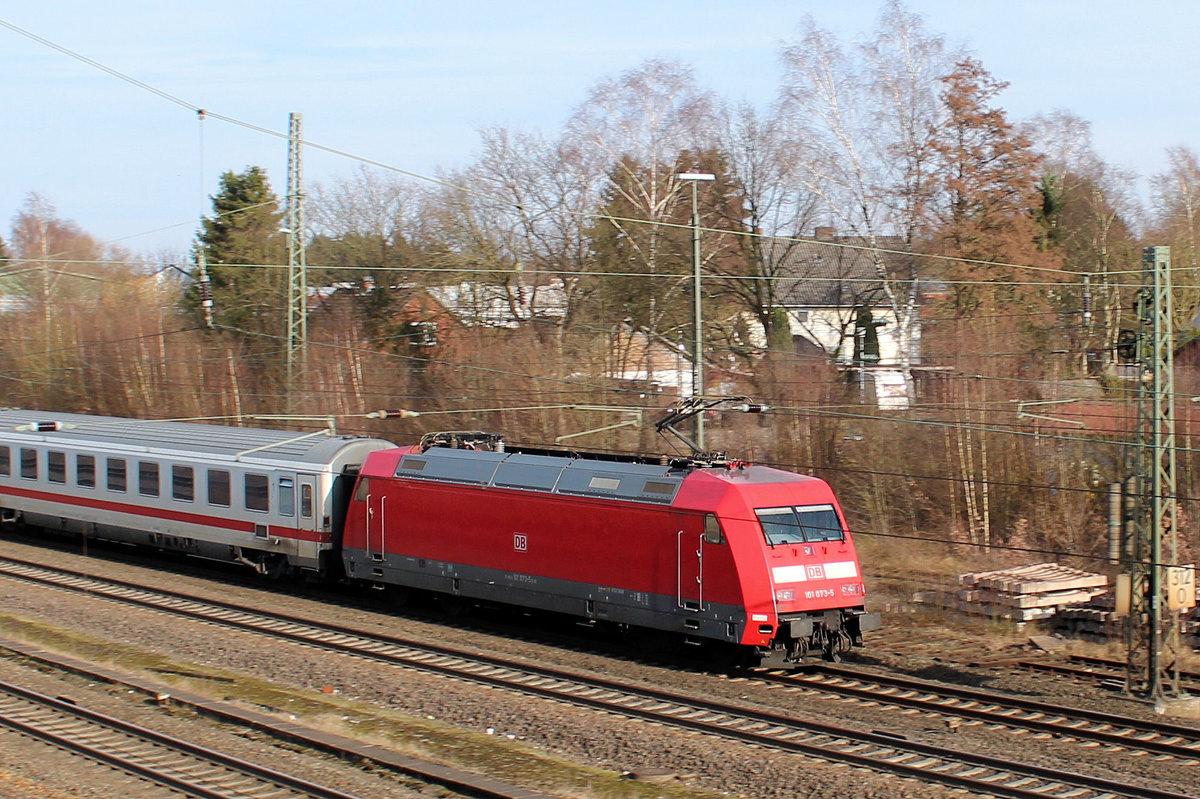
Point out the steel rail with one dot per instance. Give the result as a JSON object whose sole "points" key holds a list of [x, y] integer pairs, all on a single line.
{"points": [[173, 762], [1162, 738], [877, 751]]}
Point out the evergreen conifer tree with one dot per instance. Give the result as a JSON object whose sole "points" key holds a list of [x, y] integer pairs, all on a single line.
{"points": [[246, 253]]}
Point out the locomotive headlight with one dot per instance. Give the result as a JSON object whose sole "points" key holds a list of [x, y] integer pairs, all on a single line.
{"points": [[785, 594], [853, 589]]}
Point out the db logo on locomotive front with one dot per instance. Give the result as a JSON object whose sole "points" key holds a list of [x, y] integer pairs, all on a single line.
{"points": [[815, 572], [520, 542]]}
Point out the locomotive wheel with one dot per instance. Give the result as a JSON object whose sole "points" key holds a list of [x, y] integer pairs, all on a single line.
{"points": [[452, 606], [729, 657], [398, 595], [651, 642]]}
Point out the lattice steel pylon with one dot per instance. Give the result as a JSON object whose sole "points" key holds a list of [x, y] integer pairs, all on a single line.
{"points": [[1153, 635], [297, 296]]}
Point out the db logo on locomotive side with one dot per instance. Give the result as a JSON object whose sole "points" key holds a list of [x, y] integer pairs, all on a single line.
{"points": [[520, 542]]}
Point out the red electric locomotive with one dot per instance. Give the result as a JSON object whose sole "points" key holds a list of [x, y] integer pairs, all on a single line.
{"points": [[717, 552], [745, 556]]}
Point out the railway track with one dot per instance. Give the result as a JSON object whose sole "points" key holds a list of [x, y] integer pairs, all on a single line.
{"points": [[1102, 670], [171, 762], [978, 706], [877, 751]]}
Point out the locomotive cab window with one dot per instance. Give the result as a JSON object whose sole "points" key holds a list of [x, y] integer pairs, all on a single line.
{"points": [[56, 467], [820, 523], [5, 461], [116, 475], [183, 483], [85, 471], [800, 524], [218, 488], [258, 493], [712, 529], [29, 466], [148, 479]]}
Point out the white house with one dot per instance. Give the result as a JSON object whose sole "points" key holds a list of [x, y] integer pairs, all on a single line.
{"points": [[836, 306], [503, 305]]}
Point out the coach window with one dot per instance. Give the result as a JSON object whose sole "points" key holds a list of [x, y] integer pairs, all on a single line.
{"points": [[56, 467], [85, 471], [306, 500], [257, 493], [116, 474], [287, 496], [148, 479], [218, 488], [183, 483], [712, 530], [29, 463], [5, 461]]}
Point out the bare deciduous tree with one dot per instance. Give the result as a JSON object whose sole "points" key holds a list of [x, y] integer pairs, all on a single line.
{"points": [[631, 132], [1088, 206], [866, 120], [1177, 201], [778, 209]]}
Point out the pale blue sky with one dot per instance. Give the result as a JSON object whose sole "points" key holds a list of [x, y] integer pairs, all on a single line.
{"points": [[410, 83]]}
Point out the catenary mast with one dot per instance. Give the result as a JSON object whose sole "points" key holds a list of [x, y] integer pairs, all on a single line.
{"points": [[297, 297], [1152, 631]]}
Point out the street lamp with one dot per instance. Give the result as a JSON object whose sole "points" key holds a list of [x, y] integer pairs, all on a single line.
{"points": [[697, 352]]}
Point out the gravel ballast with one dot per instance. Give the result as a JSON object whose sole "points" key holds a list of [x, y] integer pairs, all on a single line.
{"points": [[360, 693]]}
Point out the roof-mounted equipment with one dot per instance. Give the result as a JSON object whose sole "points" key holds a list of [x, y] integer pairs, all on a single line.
{"points": [[463, 439], [687, 408]]}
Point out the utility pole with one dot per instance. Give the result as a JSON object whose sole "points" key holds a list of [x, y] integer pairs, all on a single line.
{"points": [[697, 305], [1152, 636], [297, 315]]}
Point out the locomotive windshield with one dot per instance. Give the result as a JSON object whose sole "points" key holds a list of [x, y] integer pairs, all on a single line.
{"points": [[803, 524]]}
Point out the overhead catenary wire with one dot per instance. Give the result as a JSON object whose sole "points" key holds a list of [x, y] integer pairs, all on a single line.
{"points": [[278, 134], [204, 113], [827, 469], [549, 273], [959, 376], [777, 408]]}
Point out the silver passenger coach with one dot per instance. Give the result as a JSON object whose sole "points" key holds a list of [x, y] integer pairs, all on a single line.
{"points": [[270, 499]]}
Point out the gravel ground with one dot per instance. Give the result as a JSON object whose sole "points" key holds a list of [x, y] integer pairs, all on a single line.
{"points": [[523, 727], [32, 768]]}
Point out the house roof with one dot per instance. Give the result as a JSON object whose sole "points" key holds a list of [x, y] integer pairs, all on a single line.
{"points": [[492, 305], [837, 272], [475, 304]]}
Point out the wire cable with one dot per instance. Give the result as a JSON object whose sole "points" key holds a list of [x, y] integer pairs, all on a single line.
{"points": [[206, 113]]}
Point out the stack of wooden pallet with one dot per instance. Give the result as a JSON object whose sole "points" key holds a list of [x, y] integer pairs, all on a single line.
{"points": [[1095, 620], [1098, 620], [1026, 593]]}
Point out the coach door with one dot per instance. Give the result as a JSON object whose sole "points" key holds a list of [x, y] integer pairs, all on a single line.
{"points": [[308, 513], [690, 574]]}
